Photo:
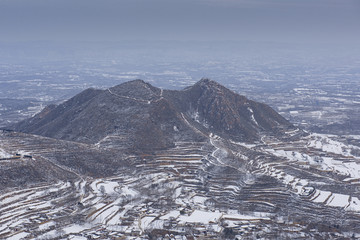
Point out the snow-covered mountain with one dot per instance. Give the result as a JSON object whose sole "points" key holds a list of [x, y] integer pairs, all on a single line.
{"points": [[139, 162]]}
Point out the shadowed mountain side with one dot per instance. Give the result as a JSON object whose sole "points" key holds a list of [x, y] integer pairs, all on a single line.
{"points": [[225, 112]]}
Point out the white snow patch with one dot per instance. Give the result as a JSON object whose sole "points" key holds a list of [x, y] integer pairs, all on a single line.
{"points": [[75, 228], [22, 152], [199, 216], [326, 144], [77, 238], [15, 198], [338, 200], [104, 215], [351, 169], [354, 204], [241, 217], [145, 221], [172, 214], [246, 145], [4, 154], [321, 196], [125, 190], [104, 187], [19, 236], [46, 225], [252, 116], [199, 199]]}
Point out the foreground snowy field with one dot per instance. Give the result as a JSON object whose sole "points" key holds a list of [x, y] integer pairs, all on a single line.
{"points": [[303, 188]]}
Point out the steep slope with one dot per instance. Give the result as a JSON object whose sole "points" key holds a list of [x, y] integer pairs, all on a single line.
{"points": [[137, 116], [53, 118]]}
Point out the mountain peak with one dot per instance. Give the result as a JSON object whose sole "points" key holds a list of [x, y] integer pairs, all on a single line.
{"points": [[138, 82], [206, 83], [136, 89], [132, 84]]}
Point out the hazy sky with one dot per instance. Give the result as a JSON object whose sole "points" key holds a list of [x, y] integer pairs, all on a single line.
{"points": [[334, 21]]}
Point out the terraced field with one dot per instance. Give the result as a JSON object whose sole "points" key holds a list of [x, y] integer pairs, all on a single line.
{"points": [[301, 189]]}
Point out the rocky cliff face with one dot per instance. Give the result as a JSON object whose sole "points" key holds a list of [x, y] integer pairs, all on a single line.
{"points": [[138, 116]]}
